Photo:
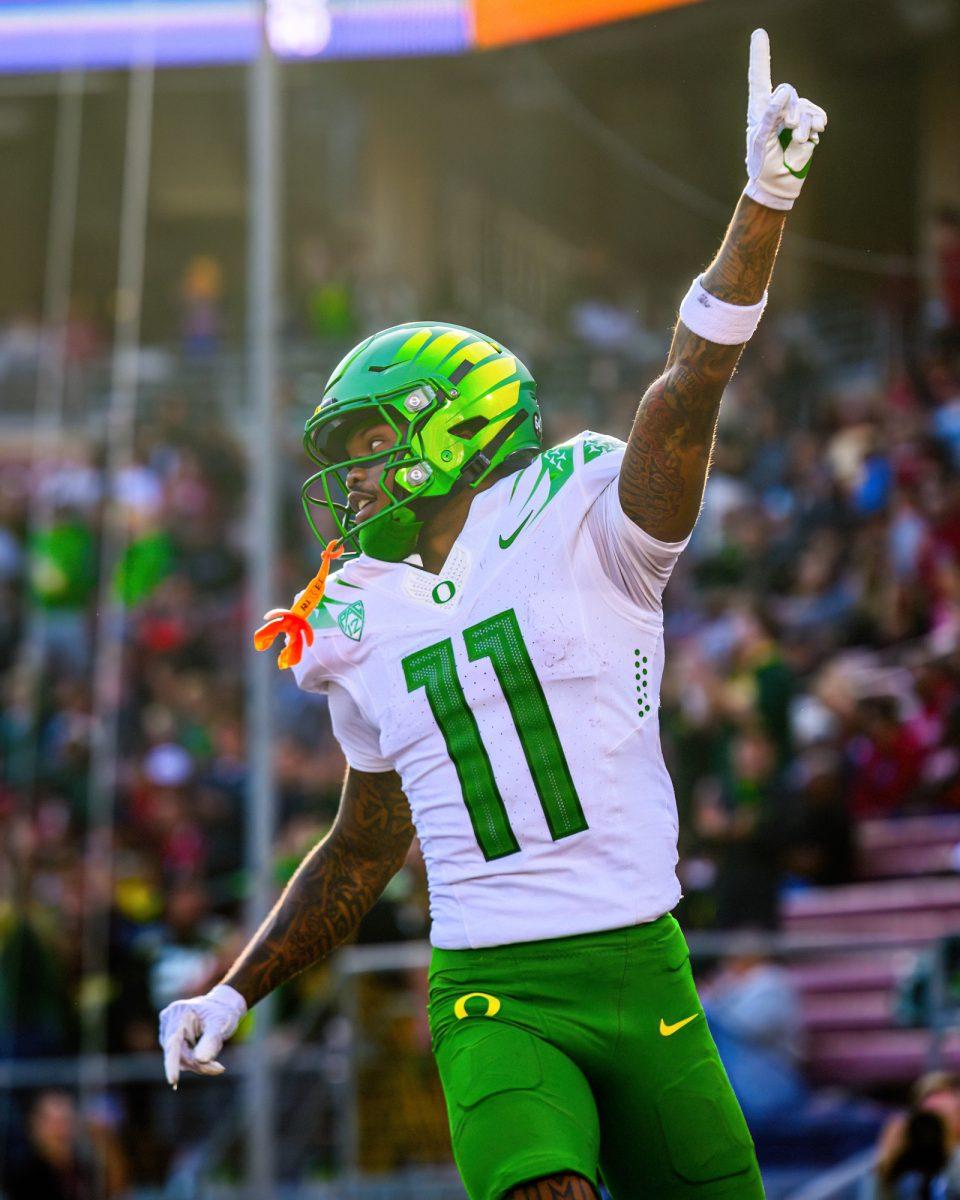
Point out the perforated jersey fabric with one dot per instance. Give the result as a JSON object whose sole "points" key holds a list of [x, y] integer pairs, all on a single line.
{"points": [[516, 693]]}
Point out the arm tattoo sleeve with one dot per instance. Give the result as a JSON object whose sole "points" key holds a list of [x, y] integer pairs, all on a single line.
{"points": [[668, 452], [333, 888]]}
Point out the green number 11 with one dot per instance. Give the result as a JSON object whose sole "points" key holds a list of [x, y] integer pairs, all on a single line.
{"points": [[499, 639]]}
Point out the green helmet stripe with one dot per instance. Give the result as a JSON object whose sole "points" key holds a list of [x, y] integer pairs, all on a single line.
{"points": [[412, 345], [441, 347], [493, 373], [506, 401], [478, 352]]}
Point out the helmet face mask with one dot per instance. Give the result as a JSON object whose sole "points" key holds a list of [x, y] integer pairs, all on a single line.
{"points": [[335, 464], [325, 438], [459, 405]]}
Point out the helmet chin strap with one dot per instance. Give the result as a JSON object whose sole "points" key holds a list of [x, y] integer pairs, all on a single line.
{"points": [[479, 463]]}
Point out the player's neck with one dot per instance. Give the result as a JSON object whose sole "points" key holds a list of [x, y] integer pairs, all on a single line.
{"points": [[441, 529], [443, 526]]}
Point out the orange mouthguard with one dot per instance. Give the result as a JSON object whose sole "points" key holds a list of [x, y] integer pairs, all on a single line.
{"points": [[292, 622]]}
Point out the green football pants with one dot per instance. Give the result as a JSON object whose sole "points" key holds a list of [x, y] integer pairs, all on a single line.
{"points": [[591, 1055]]}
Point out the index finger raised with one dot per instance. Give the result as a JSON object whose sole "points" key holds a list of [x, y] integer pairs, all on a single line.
{"points": [[758, 74]]}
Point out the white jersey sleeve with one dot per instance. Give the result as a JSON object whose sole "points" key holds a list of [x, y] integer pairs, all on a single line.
{"points": [[636, 563], [313, 672], [359, 740], [632, 559], [321, 670]]}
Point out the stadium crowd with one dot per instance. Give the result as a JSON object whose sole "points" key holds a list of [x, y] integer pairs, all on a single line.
{"points": [[813, 671]]}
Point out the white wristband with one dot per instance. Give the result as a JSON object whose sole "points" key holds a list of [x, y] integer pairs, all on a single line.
{"points": [[716, 320]]}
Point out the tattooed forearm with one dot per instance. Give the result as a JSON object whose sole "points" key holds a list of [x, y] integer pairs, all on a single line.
{"points": [[668, 452], [665, 464], [333, 888], [557, 1187], [741, 272]]}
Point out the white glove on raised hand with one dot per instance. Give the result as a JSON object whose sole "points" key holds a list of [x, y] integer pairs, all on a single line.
{"points": [[192, 1032], [782, 131]]}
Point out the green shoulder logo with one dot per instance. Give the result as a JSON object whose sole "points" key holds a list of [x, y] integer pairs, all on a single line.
{"points": [[595, 444], [351, 620], [330, 612], [557, 466]]}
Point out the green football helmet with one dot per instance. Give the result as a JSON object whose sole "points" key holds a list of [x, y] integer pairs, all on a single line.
{"points": [[460, 405]]}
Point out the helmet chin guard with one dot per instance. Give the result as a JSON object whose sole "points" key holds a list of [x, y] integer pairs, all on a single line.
{"points": [[392, 539]]}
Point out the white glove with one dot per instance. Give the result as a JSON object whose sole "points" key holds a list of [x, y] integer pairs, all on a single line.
{"points": [[782, 131], [193, 1031]]}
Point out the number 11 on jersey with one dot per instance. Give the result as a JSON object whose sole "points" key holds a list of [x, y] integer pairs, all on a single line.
{"points": [[435, 669]]}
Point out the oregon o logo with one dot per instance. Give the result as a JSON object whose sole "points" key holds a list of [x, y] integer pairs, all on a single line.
{"points": [[444, 591], [460, 1008]]}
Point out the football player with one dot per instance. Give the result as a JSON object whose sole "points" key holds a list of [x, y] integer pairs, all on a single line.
{"points": [[493, 657]]}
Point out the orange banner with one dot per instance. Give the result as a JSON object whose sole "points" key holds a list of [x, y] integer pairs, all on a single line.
{"points": [[498, 22]]}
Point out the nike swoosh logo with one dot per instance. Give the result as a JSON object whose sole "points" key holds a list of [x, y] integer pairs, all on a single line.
{"points": [[505, 543], [667, 1030], [785, 137]]}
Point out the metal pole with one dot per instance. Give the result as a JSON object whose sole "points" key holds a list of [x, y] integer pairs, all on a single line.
{"points": [[51, 371], [111, 615], [262, 443], [47, 438]]}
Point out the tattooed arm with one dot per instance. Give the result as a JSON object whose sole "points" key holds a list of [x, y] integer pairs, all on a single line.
{"points": [[667, 457], [333, 888], [668, 453]]}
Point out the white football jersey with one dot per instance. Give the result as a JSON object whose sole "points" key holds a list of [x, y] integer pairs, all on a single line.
{"points": [[516, 695]]}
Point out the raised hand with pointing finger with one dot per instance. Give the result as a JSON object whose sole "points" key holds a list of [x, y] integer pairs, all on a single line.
{"points": [[782, 131]]}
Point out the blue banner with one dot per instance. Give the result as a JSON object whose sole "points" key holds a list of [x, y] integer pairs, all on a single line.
{"points": [[53, 35]]}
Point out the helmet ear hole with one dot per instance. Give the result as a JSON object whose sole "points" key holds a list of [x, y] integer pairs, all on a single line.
{"points": [[470, 428]]}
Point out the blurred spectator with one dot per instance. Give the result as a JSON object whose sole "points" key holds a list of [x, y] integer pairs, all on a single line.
{"points": [[83, 341], [742, 823], [62, 576], [929, 996], [201, 319], [918, 1155], [820, 839], [60, 1160], [946, 245], [34, 1001], [328, 302], [184, 953], [19, 347], [754, 1014], [885, 756]]}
